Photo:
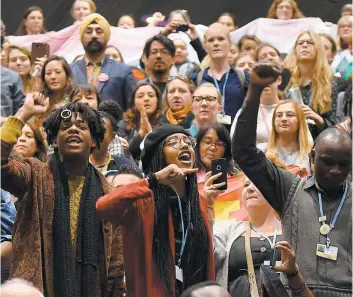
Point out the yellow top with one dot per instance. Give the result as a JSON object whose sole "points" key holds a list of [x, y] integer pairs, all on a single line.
{"points": [[75, 190], [11, 130]]}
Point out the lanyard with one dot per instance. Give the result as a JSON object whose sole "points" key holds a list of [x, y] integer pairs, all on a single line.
{"points": [[333, 222], [272, 243], [184, 234], [265, 122], [223, 94]]}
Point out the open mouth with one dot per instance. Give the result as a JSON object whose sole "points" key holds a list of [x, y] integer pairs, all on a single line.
{"points": [[185, 157], [73, 140]]}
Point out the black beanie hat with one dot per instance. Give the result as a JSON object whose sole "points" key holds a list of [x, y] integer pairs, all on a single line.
{"points": [[155, 137]]}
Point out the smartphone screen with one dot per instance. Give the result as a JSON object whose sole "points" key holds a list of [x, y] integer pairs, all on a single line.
{"points": [[220, 166]]}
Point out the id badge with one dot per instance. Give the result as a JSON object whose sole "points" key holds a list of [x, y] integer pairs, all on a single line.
{"points": [[224, 119], [327, 252], [179, 274]]}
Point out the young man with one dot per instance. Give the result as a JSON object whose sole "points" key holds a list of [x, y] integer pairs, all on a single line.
{"points": [[316, 211], [60, 244], [113, 80]]}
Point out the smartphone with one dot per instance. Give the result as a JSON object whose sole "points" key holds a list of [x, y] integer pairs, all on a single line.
{"points": [[273, 257], [39, 50], [220, 165], [182, 28]]}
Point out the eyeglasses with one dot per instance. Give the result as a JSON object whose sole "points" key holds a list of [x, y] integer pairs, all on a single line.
{"points": [[175, 142], [217, 144], [162, 52], [183, 78], [209, 99], [308, 42]]}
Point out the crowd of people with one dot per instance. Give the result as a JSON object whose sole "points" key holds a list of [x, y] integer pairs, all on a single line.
{"points": [[102, 162]]}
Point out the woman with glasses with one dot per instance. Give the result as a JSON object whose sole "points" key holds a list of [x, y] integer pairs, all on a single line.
{"points": [[166, 225], [143, 115], [284, 10], [290, 140], [206, 105], [311, 73], [213, 142], [177, 102]]}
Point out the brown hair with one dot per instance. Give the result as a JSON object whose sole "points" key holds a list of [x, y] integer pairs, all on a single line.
{"points": [[84, 89], [29, 82], [186, 80], [242, 55], [22, 28], [247, 37], [114, 47], [69, 83], [132, 115], [41, 151], [261, 46], [332, 41], [297, 14]]}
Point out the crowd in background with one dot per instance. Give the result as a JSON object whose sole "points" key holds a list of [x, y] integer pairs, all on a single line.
{"points": [[102, 162]]}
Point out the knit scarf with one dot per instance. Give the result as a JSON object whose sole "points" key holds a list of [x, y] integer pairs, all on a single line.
{"points": [[177, 117], [75, 275]]}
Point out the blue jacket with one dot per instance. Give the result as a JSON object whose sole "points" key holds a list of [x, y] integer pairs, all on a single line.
{"points": [[8, 214], [118, 87], [12, 97]]}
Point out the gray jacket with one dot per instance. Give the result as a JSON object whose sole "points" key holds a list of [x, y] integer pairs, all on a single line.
{"points": [[224, 234], [12, 97]]}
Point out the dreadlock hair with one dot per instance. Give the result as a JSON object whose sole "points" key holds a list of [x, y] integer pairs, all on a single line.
{"points": [[130, 169], [111, 107], [90, 116], [197, 231]]}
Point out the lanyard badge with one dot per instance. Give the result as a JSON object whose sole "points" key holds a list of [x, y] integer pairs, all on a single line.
{"points": [[327, 251]]}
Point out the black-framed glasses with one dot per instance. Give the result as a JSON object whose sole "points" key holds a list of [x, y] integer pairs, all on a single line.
{"points": [[162, 52], [217, 144], [176, 142], [208, 99]]}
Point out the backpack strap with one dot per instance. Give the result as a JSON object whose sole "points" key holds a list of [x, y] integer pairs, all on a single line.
{"points": [[199, 78]]}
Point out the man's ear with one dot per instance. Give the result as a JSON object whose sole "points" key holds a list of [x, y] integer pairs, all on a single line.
{"points": [[94, 145], [55, 145]]}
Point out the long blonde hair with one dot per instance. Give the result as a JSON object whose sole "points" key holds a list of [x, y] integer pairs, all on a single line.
{"points": [[321, 77], [302, 133]]}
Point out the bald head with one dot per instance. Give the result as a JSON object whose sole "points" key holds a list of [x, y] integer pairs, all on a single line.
{"points": [[206, 289], [210, 291], [332, 158], [19, 288]]}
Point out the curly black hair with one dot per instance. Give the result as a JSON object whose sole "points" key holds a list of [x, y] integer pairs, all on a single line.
{"points": [[90, 116]]}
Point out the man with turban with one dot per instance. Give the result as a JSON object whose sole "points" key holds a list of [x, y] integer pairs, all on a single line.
{"points": [[113, 80]]}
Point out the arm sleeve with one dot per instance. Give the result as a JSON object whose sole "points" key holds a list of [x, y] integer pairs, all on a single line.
{"points": [[17, 94], [130, 84], [117, 205], [15, 172], [134, 144], [8, 214], [197, 45], [273, 182]]}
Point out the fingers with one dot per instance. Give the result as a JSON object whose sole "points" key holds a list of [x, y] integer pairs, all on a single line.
{"points": [[279, 268], [213, 178], [207, 176], [189, 171]]}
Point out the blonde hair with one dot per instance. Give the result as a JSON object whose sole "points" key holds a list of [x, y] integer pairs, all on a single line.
{"points": [[209, 85], [272, 14], [206, 62], [220, 26], [302, 133], [321, 77], [343, 20], [92, 5]]}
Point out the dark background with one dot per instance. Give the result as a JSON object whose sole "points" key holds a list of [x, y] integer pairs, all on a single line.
{"points": [[57, 12]]}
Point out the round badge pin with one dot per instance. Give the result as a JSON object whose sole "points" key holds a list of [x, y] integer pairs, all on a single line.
{"points": [[325, 229], [103, 77]]}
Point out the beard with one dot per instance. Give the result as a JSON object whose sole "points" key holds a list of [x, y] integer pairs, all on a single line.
{"points": [[94, 47]]}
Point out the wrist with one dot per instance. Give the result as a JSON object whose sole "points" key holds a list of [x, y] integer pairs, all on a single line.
{"points": [[152, 180], [293, 274], [319, 120], [22, 115]]}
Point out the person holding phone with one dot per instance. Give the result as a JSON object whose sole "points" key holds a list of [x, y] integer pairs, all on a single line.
{"points": [[311, 73], [316, 211], [156, 215], [213, 142]]}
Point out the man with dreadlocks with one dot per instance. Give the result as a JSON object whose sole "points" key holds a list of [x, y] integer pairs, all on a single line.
{"points": [[165, 226], [60, 243]]}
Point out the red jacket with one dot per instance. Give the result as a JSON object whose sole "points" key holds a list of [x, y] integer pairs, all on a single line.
{"points": [[132, 207]]}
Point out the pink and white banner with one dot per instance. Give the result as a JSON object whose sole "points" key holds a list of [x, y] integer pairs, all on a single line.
{"points": [[130, 42]]}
